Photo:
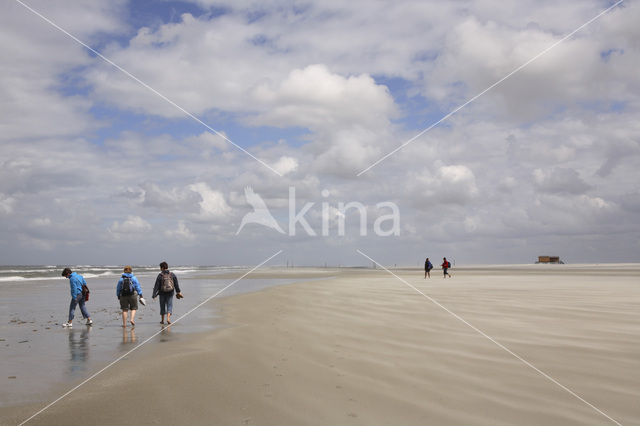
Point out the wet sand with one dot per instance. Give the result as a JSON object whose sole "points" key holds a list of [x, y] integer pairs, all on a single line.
{"points": [[365, 348], [38, 355]]}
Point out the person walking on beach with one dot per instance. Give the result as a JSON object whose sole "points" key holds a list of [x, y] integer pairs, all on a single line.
{"points": [[166, 285], [76, 281], [428, 266], [128, 290], [445, 267]]}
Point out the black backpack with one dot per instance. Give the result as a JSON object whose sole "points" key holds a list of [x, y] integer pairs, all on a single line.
{"points": [[127, 286]]}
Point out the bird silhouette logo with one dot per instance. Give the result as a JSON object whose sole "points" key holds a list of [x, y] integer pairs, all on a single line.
{"points": [[260, 214]]}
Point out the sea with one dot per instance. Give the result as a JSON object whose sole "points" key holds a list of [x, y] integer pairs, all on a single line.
{"points": [[38, 355]]}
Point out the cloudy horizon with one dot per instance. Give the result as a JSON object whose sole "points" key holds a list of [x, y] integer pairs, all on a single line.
{"points": [[96, 168]]}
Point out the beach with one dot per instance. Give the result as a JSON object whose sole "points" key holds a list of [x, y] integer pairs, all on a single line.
{"points": [[536, 344]]}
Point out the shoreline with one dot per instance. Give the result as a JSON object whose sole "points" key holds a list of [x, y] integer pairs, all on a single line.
{"points": [[364, 348]]}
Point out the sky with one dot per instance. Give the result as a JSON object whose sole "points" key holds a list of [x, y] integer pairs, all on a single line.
{"points": [[141, 145]]}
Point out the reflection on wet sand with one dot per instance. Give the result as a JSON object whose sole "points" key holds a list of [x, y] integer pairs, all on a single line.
{"points": [[128, 336], [165, 334], [78, 349]]}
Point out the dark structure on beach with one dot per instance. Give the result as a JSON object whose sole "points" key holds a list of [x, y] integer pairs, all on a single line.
{"points": [[549, 259]]}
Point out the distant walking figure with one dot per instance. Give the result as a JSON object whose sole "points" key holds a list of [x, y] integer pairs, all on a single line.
{"points": [[260, 214], [445, 266], [428, 266]]}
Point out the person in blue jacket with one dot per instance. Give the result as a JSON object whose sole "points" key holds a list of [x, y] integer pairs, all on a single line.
{"points": [[128, 290], [77, 298]]}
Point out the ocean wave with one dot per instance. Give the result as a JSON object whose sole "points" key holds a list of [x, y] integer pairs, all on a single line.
{"points": [[35, 273], [102, 274], [18, 278], [187, 271]]}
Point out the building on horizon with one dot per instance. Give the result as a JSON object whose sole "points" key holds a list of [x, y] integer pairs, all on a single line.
{"points": [[549, 259]]}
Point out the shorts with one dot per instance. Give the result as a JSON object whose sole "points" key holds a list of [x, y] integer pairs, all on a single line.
{"points": [[129, 302]]}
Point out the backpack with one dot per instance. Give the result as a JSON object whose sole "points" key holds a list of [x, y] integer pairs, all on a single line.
{"points": [[127, 286], [167, 283]]}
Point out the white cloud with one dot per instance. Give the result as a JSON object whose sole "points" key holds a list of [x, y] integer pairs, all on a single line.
{"points": [[314, 97], [41, 221], [6, 204], [169, 199], [286, 165], [471, 223], [560, 180], [455, 184], [477, 53], [132, 225], [207, 140], [182, 232], [213, 204], [37, 59], [349, 116], [345, 152], [209, 57], [596, 203]]}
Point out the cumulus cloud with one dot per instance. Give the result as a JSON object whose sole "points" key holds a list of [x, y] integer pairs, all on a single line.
{"points": [[182, 232], [41, 221], [349, 116], [454, 184], [314, 97], [208, 140], [184, 199], [205, 54], [6, 204], [36, 59], [212, 203], [131, 225], [478, 53], [596, 203], [286, 165], [560, 180]]}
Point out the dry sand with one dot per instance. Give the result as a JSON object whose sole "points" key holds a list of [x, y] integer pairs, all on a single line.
{"points": [[364, 348]]}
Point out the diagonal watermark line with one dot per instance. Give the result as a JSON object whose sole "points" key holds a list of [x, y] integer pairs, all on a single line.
{"points": [[145, 85], [500, 345], [490, 87], [145, 341]]}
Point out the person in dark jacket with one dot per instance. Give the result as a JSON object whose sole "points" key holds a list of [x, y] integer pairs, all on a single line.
{"points": [[166, 286], [77, 298], [428, 266]]}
